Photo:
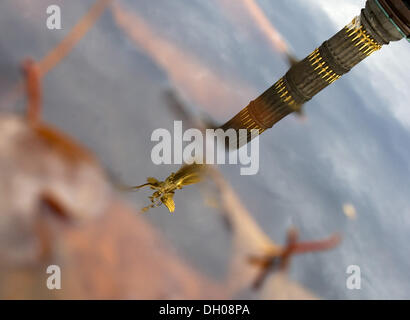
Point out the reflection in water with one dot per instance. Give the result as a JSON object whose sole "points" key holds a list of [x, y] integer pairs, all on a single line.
{"points": [[199, 83], [165, 190], [255, 13]]}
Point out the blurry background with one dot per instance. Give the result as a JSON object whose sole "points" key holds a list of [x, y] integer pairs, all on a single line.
{"points": [[350, 153]]}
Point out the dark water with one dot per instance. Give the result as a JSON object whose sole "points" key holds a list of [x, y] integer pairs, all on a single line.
{"points": [[353, 148]]}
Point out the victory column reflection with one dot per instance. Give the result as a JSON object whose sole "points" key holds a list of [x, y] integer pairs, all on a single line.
{"points": [[380, 22]]}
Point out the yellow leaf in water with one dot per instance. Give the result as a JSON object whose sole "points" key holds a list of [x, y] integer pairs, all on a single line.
{"points": [[350, 211]]}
